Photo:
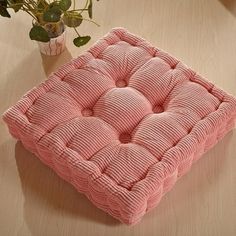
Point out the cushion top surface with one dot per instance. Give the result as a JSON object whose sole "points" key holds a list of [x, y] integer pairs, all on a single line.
{"points": [[127, 113]]}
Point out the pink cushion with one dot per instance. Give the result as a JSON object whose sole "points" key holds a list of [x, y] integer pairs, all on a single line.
{"points": [[122, 122]]}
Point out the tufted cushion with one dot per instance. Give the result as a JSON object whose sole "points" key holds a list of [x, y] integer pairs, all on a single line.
{"points": [[122, 122]]}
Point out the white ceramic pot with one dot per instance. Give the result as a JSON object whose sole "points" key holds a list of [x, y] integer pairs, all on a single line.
{"points": [[55, 46]]}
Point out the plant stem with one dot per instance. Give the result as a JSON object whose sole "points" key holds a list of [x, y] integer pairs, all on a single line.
{"points": [[11, 5], [29, 5], [80, 9], [30, 8], [85, 7], [87, 20], [33, 3], [76, 31], [24, 9]]}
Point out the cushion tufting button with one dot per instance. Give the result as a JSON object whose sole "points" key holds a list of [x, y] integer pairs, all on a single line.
{"points": [[158, 109], [121, 83], [174, 66], [125, 138], [87, 112]]}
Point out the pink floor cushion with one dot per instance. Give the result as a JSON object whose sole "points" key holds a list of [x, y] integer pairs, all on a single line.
{"points": [[122, 122]]}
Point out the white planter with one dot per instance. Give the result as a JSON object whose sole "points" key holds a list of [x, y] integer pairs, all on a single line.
{"points": [[55, 46]]}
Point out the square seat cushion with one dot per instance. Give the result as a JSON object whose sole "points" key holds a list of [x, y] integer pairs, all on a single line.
{"points": [[122, 122]]}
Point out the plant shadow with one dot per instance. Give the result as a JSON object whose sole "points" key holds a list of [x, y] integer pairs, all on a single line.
{"points": [[30, 71], [23, 76], [230, 5], [52, 63], [47, 194]]}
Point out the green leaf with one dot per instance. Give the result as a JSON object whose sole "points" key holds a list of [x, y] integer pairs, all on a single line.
{"points": [[38, 33], [42, 5], [52, 15], [90, 9], [4, 12], [81, 40], [64, 4], [54, 5], [72, 19], [3, 3], [3, 9]]}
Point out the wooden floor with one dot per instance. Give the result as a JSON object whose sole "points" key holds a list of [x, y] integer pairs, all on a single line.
{"points": [[35, 201]]}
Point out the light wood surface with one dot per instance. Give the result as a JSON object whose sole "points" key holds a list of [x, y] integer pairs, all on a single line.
{"points": [[35, 201]]}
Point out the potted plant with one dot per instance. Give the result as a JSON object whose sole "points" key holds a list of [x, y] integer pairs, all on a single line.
{"points": [[50, 19]]}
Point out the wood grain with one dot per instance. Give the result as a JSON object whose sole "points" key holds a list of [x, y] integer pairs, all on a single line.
{"points": [[35, 201]]}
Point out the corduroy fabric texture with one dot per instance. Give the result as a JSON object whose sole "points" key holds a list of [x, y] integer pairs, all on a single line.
{"points": [[122, 122]]}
